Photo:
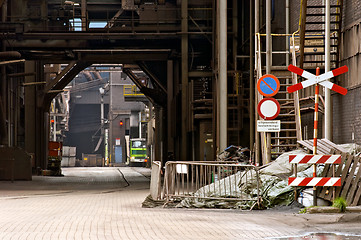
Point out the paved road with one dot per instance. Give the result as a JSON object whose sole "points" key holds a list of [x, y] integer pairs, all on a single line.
{"points": [[105, 203]]}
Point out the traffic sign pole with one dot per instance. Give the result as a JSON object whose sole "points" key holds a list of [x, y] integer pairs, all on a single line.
{"points": [[315, 125]]}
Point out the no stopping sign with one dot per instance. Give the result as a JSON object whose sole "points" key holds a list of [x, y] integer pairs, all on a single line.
{"points": [[268, 108]]}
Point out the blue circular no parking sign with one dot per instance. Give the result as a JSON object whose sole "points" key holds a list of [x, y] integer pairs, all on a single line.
{"points": [[268, 85]]}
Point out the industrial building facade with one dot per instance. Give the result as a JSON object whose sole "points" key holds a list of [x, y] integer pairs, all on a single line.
{"points": [[202, 59]]}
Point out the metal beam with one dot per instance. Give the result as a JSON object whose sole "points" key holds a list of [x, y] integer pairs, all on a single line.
{"points": [[58, 77], [152, 76], [12, 61]]}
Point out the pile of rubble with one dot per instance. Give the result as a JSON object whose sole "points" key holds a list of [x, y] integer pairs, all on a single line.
{"points": [[235, 153]]}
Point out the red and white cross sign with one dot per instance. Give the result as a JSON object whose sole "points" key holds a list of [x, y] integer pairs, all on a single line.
{"points": [[321, 79]]}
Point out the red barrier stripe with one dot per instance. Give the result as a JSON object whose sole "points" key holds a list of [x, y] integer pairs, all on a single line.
{"points": [[315, 123], [322, 182], [323, 159], [339, 70], [294, 88], [338, 161], [338, 183], [306, 159], [339, 89], [295, 69], [305, 181], [291, 157], [316, 107], [290, 180]]}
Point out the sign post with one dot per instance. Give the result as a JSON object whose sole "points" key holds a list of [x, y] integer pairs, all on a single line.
{"points": [[268, 108], [317, 80]]}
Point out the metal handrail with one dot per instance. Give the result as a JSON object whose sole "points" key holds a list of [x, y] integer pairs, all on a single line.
{"points": [[217, 180]]}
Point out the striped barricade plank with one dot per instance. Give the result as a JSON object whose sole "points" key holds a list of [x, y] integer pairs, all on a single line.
{"points": [[314, 181], [315, 159]]}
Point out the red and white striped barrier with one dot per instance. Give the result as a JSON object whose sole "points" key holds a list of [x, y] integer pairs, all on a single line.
{"points": [[314, 181], [314, 159], [321, 79]]}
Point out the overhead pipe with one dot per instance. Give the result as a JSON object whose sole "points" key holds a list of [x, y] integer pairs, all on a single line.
{"points": [[9, 55]]}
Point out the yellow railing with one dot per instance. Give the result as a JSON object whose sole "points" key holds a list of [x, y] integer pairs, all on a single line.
{"points": [[132, 90]]}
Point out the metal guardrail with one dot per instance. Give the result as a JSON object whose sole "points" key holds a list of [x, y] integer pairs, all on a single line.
{"points": [[211, 180]]}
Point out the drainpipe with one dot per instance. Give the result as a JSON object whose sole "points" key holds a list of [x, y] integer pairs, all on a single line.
{"points": [[328, 99], [222, 74]]}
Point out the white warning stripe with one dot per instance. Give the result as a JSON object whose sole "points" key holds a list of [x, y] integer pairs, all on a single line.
{"points": [[311, 159]]}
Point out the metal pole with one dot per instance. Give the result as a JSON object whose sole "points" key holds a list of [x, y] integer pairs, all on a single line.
{"points": [[328, 99], [256, 30], [54, 118], [83, 15], [251, 79], [140, 124], [287, 31], [268, 65], [317, 91], [222, 74]]}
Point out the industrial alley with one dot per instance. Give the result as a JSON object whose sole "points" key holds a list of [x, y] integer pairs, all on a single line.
{"points": [[180, 119]]}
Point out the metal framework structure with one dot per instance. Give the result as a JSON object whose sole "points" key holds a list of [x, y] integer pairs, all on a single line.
{"points": [[180, 45]]}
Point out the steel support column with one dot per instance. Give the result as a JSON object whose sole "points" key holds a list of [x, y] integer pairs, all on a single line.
{"points": [[222, 74], [36, 126], [184, 67], [328, 98], [170, 122]]}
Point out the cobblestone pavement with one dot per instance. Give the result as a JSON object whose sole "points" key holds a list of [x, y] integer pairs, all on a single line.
{"points": [[105, 203]]}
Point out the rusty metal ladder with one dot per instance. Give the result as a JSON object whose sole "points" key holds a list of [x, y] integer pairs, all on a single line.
{"points": [[312, 33]]}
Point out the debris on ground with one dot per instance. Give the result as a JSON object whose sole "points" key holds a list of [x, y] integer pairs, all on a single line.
{"points": [[235, 153], [274, 189], [149, 202]]}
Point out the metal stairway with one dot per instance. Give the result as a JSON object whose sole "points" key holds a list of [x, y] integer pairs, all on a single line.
{"points": [[312, 33], [289, 115]]}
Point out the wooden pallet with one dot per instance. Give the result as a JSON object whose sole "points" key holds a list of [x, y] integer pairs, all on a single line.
{"points": [[350, 173], [324, 146]]}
